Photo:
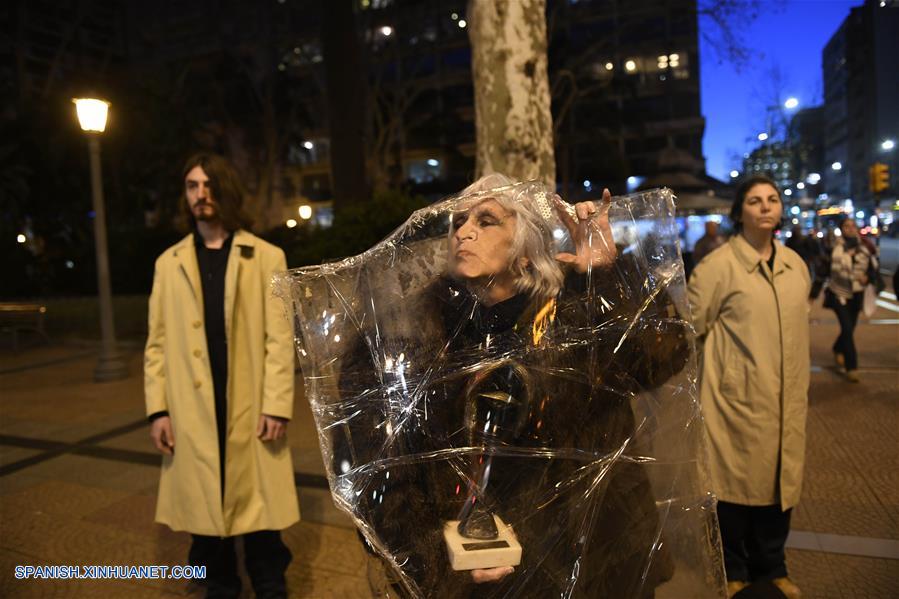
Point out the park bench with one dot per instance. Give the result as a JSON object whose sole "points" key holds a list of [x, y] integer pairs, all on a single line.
{"points": [[18, 317]]}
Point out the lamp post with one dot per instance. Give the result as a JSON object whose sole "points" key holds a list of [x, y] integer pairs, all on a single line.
{"points": [[92, 118]]}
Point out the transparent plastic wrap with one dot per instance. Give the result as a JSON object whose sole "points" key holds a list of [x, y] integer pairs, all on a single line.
{"points": [[500, 372]]}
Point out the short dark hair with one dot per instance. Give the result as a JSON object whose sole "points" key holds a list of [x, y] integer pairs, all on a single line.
{"points": [[736, 209], [226, 188]]}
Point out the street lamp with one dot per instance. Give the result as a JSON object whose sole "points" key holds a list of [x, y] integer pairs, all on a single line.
{"points": [[92, 115], [791, 103], [887, 145], [837, 166]]}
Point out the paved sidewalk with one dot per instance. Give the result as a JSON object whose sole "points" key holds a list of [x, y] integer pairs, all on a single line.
{"points": [[78, 480]]}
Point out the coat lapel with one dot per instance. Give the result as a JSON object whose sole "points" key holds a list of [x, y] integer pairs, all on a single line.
{"points": [[242, 248], [187, 260]]}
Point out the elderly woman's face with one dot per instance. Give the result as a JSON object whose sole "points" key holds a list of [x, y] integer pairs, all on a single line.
{"points": [[481, 244]]}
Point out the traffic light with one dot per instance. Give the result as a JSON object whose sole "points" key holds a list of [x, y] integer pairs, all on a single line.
{"points": [[878, 177]]}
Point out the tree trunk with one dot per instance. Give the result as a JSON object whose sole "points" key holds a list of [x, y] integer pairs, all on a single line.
{"points": [[346, 102], [511, 88]]}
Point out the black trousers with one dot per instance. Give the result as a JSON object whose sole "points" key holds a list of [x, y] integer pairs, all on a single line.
{"points": [[266, 558], [848, 316], [753, 538]]}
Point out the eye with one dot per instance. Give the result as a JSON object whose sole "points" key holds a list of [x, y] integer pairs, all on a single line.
{"points": [[486, 222], [459, 220]]}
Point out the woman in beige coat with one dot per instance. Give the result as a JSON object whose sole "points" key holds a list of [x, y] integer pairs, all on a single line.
{"points": [[750, 309]]}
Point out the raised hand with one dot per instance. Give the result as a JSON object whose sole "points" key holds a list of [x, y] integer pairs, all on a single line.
{"points": [[591, 234]]}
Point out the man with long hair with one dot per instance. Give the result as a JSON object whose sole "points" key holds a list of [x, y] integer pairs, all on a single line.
{"points": [[218, 381]]}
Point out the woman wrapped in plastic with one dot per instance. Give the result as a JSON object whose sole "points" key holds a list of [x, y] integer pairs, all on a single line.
{"points": [[510, 396]]}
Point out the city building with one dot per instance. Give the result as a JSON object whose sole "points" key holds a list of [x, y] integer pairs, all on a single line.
{"points": [[861, 93]]}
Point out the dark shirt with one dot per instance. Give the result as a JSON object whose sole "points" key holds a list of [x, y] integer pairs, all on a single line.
{"points": [[213, 263], [771, 259]]}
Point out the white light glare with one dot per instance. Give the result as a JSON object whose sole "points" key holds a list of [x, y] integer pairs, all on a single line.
{"points": [[860, 214], [734, 174], [587, 183], [462, 23], [21, 238], [794, 210], [836, 166], [813, 178], [305, 212], [763, 136], [433, 162], [888, 144], [788, 192], [609, 66], [386, 31], [800, 185], [630, 66], [91, 113], [308, 145], [291, 223], [791, 103]]}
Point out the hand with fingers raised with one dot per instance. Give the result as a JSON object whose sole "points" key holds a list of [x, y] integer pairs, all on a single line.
{"points": [[591, 234]]}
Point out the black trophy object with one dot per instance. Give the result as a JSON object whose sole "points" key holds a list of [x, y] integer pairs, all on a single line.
{"points": [[495, 410]]}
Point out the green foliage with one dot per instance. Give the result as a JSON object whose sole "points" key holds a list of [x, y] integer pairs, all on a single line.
{"points": [[356, 228]]}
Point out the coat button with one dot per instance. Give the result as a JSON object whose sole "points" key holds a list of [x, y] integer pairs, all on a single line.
{"points": [[197, 324], [197, 384], [197, 353]]}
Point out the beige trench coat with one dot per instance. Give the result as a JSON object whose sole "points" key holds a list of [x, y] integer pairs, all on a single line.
{"points": [[260, 492], [755, 370]]}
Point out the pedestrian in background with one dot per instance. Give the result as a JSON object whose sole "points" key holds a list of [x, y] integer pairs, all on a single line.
{"points": [[218, 380], [850, 263], [750, 311], [708, 242], [809, 249]]}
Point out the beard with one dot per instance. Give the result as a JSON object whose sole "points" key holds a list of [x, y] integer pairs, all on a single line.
{"points": [[205, 211]]}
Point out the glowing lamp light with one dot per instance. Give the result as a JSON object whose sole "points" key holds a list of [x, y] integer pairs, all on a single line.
{"points": [[837, 166], [462, 23], [609, 66], [21, 238], [433, 162], [630, 66], [92, 113], [887, 144], [305, 212], [308, 145], [813, 178], [291, 223], [788, 192], [794, 210], [800, 185], [791, 103], [734, 174], [587, 183], [763, 136], [386, 31]]}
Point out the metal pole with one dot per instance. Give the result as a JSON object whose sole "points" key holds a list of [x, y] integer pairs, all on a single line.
{"points": [[111, 366]]}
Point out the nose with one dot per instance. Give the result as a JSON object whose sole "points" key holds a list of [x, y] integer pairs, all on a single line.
{"points": [[466, 231], [202, 191]]}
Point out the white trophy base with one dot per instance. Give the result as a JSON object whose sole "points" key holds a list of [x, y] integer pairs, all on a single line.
{"points": [[474, 554]]}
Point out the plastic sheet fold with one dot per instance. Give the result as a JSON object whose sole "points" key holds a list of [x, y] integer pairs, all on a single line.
{"points": [[505, 354]]}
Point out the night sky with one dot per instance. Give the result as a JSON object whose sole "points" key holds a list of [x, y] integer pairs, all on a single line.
{"points": [[788, 34]]}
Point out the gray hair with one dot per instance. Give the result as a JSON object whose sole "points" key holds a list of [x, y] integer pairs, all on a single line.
{"points": [[540, 276]]}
